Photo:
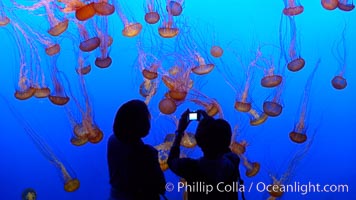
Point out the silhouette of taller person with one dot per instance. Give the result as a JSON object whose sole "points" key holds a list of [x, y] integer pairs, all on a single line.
{"points": [[217, 168], [134, 170]]}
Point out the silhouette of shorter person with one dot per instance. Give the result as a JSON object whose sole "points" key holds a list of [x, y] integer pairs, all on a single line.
{"points": [[217, 168], [134, 170]]}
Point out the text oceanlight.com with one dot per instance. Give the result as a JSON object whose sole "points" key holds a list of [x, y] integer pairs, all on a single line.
{"points": [[302, 188]]}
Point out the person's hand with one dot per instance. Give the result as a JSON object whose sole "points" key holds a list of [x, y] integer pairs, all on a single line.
{"points": [[183, 122], [203, 114]]}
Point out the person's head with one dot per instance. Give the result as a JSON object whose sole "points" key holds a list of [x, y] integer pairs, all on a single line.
{"points": [[213, 136], [132, 121]]}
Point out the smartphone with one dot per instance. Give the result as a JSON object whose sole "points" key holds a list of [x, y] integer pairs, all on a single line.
{"points": [[194, 116]]}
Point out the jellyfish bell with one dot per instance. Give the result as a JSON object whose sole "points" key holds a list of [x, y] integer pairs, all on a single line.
{"points": [[275, 190], [95, 135], [238, 148], [329, 4], [103, 8], [167, 106], [59, 28], [4, 20], [216, 51], [177, 95], [254, 170], [58, 100], [132, 29], [270, 81], [152, 17], [76, 141], [345, 7], [83, 70], [42, 92], [85, 12], [339, 82], [242, 106], [174, 8], [53, 49], [168, 32], [188, 140], [296, 64], [150, 75], [260, 119], [103, 62], [212, 109], [71, 185], [272, 109], [297, 137], [24, 94], [292, 11], [147, 88], [89, 44], [203, 69], [29, 194]]}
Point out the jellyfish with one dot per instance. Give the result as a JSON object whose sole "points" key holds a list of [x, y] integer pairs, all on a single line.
{"points": [[148, 63], [148, 89], [88, 43], [167, 106], [202, 67], [293, 58], [257, 117], [238, 148], [211, 106], [174, 7], [346, 5], [58, 95], [29, 194], [292, 7], [85, 12], [103, 8], [4, 20], [273, 108], [168, 28], [298, 135], [163, 151], [329, 4], [131, 28], [71, 183], [151, 12], [57, 27], [216, 51], [104, 60], [339, 81], [277, 188], [252, 168]]}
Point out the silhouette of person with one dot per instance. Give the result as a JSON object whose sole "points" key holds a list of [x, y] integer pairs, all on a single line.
{"points": [[134, 169], [218, 167]]}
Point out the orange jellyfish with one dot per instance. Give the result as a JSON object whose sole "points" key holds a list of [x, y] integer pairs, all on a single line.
{"points": [[131, 28], [211, 106], [252, 168], [293, 58], [71, 183], [4, 20], [257, 117], [216, 51], [152, 16], [270, 79], [167, 106], [273, 108], [85, 11], [148, 89], [168, 28], [346, 5], [298, 135], [174, 7], [201, 68], [103, 8], [148, 63], [339, 81], [292, 7], [104, 60], [278, 186], [329, 4], [87, 44], [29, 194], [58, 96], [57, 27], [24, 89], [163, 151]]}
